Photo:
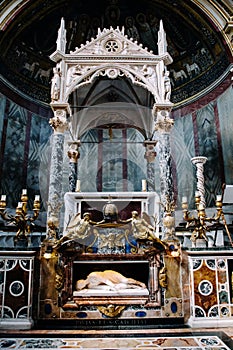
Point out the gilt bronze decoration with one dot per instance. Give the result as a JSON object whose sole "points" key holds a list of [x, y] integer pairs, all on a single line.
{"points": [[22, 220]]}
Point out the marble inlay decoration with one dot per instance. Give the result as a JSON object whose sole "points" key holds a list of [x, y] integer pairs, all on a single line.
{"points": [[211, 289], [166, 342]]}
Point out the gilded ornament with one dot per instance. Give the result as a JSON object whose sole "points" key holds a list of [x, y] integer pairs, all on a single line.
{"points": [[111, 310]]}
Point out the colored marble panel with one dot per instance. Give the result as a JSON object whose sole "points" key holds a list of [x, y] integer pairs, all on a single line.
{"points": [[205, 294], [173, 278], [222, 278], [172, 342]]}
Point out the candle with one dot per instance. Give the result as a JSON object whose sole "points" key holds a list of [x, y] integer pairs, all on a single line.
{"points": [[184, 199], [20, 205], [144, 186], [197, 194], [219, 198], [78, 186], [24, 192], [3, 197], [37, 198]]}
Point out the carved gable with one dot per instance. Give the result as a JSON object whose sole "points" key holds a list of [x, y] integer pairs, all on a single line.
{"points": [[111, 54], [112, 42]]}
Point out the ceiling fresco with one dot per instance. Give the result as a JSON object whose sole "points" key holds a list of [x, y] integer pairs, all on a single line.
{"points": [[198, 51]]}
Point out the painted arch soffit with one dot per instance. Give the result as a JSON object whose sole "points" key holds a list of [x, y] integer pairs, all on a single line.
{"points": [[111, 54]]}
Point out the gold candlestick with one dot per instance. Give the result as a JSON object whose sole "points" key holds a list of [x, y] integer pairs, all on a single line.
{"points": [[22, 220], [200, 224]]}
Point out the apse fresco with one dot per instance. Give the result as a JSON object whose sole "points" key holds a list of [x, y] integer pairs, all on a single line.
{"points": [[23, 150], [198, 54]]}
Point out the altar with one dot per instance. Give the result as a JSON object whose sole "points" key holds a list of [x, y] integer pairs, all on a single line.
{"points": [[126, 202], [121, 232], [113, 252]]}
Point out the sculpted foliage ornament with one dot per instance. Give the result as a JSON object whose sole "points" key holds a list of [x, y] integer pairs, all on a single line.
{"points": [[59, 122]]}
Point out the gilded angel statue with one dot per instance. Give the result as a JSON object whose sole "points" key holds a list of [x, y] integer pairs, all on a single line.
{"points": [[78, 228]]}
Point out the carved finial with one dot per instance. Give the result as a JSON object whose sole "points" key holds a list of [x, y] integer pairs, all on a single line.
{"points": [[162, 41], [61, 37]]}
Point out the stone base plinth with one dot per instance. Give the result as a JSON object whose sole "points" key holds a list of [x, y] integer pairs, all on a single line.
{"points": [[107, 297]]}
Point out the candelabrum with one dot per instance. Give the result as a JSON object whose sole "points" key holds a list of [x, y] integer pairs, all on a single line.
{"points": [[201, 224], [22, 220]]}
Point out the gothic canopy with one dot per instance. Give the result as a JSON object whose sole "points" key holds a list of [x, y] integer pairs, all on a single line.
{"points": [[198, 39]]}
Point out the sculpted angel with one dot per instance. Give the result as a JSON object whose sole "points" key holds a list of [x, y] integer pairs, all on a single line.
{"points": [[142, 230], [111, 240], [140, 227], [78, 228]]}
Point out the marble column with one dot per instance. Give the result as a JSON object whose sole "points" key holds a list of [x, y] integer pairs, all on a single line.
{"points": [[199, 162], [59, 125], [163, 125], [73, 154], [150, 155]]}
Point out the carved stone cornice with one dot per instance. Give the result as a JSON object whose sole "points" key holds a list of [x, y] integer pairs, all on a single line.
{"points": [[56, 106], [158, 107]]}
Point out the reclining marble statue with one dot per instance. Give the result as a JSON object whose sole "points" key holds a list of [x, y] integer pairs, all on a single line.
{"points": [[108, 280]]}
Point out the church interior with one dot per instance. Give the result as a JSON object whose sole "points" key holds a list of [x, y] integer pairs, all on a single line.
{"points": [[116, 176]]}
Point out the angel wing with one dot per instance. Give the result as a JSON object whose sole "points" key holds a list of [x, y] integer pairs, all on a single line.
{"points": [[74, 221], [146, 217], [118, 239]]}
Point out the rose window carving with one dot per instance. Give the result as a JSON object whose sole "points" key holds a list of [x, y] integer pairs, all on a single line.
{"points": [[112, 46]]}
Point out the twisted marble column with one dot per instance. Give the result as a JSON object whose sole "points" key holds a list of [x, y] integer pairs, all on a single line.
{"points": [[199, 162]]}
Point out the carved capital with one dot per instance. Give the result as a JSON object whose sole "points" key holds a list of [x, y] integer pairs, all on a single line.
{"points": [[73, 152], [150, 153], [163, 122], [199, 160], [59, 121]]}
